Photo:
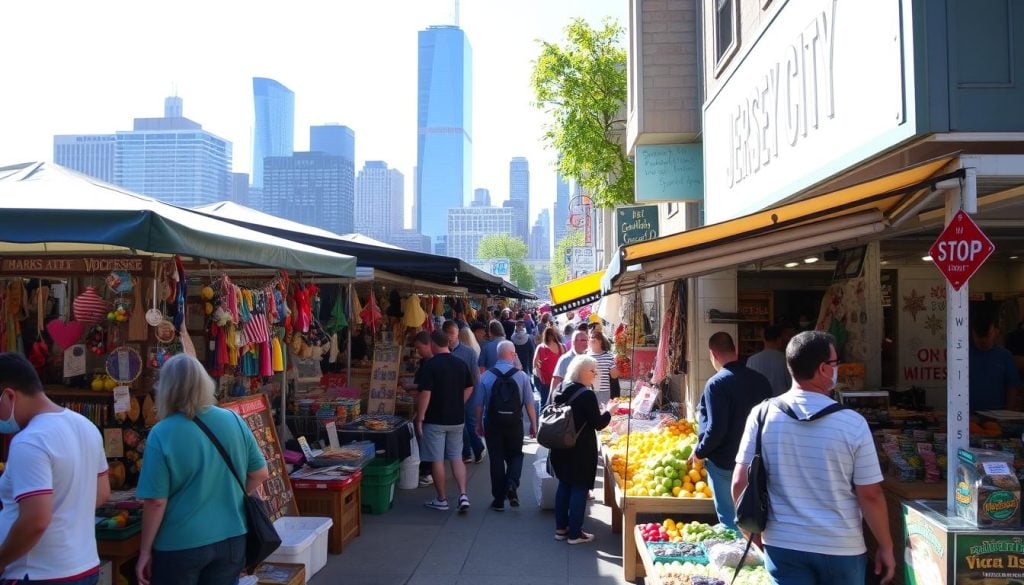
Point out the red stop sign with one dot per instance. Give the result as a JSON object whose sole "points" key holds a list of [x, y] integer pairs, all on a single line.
{"points": [[960, 250]]}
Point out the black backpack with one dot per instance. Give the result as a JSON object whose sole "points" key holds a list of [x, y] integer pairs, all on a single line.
{"points": [[506, 405]]}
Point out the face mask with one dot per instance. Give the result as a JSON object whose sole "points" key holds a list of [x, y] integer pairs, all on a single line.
{"points": [[805, 324], [10, 425]]}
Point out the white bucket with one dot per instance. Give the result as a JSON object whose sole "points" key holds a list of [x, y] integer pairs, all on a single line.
{"points": [[409, 469]]}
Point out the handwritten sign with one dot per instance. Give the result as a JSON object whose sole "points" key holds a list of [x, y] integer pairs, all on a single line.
{"points": [[669, 172], [384, 379], [636, 224], [70, 265], [277, 490]]}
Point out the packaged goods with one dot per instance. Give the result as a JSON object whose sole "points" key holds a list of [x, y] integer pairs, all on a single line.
{"points": [[987, 491]]}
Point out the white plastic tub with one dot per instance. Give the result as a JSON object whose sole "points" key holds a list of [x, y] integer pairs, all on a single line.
{"points": [[303, 540]]}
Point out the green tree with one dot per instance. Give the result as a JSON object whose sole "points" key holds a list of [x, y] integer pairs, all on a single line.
{"points": [[559, 269], [506, 246], [581, 85]]}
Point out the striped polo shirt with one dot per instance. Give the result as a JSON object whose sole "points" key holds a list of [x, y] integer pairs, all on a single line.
{"points": [[812, 468]]}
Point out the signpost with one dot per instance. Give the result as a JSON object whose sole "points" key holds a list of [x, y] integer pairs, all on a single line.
{"points": [[499, 267], [960, 250], [635, 224], [583, 261]]}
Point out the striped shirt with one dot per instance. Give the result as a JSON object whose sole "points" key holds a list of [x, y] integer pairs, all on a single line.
{"points": [[812, 468], [602, 382]]}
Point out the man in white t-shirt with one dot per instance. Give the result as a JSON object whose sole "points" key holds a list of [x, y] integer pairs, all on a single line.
{"points": [[56, 476], [814, 532], [578, 347]]}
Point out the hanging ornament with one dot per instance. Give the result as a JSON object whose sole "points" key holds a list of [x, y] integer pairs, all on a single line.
{"points": [[89, 307], [413, 312]]}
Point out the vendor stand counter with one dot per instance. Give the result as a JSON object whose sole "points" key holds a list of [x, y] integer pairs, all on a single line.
{"points": [[394, 442], [896, 493], [338, 499], [626, 508], [942, 549], [119, 553]]}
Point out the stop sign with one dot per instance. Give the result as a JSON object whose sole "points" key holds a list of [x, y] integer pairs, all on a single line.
{"points": [[960, 250]]}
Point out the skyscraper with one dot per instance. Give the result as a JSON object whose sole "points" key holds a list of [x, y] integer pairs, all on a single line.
{"points": [[173, 159], [468, 225], [333, 139], [239, 189], [481, 198], [89, 154], [379, 195], [274, 130], [519, 196], [561, 211], [540, 237], [443, 128], [307, 187]]}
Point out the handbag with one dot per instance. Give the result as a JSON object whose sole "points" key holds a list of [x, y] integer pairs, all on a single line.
{"points": [[557, 425], [261, 538]]}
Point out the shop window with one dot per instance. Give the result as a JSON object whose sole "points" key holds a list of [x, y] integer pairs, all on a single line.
{"points": [[726, 30]]}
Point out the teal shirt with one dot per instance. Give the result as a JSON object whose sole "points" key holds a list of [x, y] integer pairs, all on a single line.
{"points": [[204, 503]]}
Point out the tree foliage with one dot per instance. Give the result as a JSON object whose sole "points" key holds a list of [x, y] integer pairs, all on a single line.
{"points": [[581, 85], [559, 268], [506, 246]]}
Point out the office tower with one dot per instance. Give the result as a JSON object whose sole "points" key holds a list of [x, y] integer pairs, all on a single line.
{"points": [[308, 187], [274, 130], [379, 194], [239, 189], [481, 198], [540, 237], [173, 159], [519, 195], [468, 225], [443, 128], [561, 210], [89, 154], [333, 139], [411, 240]]}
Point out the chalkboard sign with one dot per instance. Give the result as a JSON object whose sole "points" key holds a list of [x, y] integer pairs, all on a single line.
{"points": [[384, 378], [277, 490], [635, 224], [669, 172]]}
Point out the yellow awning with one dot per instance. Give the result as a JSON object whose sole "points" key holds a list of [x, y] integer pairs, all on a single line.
{"points": [[576, 293], [853, 212]]}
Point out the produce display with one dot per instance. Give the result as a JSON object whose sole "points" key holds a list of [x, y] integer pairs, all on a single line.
{"points": [[689, 553], [658, 463], [695, 532], [679, 573]]}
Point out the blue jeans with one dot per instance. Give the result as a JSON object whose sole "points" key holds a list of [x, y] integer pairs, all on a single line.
{"points": [[795, 567], [570, 507], [87, 580], [721, 486], [472, 444], [213, 564], [543, 390]]}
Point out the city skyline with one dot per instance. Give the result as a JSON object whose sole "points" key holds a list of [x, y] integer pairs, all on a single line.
{"points": [[85, 92]]}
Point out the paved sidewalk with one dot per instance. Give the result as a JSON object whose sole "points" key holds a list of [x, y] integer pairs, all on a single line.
{"points": [[414, 545]]}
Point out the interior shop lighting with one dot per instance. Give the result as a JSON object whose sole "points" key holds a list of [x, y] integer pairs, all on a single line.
{"points": [[810, 260], [926, 258], [792, 264], [1013, 257]]}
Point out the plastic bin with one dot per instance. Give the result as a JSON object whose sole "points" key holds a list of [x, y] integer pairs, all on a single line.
{"points": [[303, 541], [378, 489]]}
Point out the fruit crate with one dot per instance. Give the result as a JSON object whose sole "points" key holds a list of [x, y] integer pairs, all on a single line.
{"points": [[667, 552]]}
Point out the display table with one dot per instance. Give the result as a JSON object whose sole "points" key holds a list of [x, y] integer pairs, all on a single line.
{"points": [[896, 493], [119, 552], [626, 508], [394, 443]]}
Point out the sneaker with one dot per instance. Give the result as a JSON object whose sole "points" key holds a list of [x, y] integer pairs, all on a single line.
{"points": [[564, 534], [584, 538], [437, 504], [426, 480], [480, 457], [463, 503], [498, 506], [513, 498], [467, 459]]}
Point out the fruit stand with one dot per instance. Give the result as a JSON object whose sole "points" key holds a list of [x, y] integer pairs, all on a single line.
{"points": [[692, 553]]}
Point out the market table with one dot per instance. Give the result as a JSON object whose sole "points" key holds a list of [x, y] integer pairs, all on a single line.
{"points": [[625, 509], [395, 442], [119, 552]]}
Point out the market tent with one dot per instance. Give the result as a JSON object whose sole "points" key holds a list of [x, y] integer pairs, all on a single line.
{"points": [[417, 265], [46, 208], [573, 294]]}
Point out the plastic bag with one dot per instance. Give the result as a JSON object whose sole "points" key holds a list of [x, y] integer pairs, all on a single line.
{"points": [[729, 554], [544, 484]]}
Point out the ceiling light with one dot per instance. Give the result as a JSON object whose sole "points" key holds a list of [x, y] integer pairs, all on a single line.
{"points": [[884, 262], [1013, 257], [926, 258], [792, 264], [810, 260]]}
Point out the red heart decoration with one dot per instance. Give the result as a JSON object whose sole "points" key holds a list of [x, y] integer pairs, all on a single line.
{"points": [[65, 334]]}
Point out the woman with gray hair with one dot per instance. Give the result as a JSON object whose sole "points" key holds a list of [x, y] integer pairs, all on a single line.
{"points": [[576, 468], [193, 523]]}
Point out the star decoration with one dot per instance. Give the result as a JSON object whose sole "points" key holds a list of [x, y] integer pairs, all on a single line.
{"points": [[934, 324], [913, 303], [938, 292]]}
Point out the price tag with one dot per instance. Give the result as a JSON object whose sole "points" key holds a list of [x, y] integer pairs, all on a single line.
{"points": [[332, 435], [304, 444], [122, 399], [996, 468]]}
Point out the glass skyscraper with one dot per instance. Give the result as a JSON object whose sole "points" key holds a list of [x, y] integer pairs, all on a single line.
{"points": [[519, 196], [380, 193], [561, 215], [274, 129], [444, 134], [310, 188], [89, 154], [333, 139]]}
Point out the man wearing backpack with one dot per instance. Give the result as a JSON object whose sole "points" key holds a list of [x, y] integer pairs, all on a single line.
{"points": [[814, 528], [503, 392]]}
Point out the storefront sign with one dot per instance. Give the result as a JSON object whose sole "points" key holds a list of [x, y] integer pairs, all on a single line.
{"points": [[960, 250], [583, 261], [798, 108], [669, 172], [922, 332], [30, 266], [989, 559], [927, 548], [384, 379], [636, 224]]}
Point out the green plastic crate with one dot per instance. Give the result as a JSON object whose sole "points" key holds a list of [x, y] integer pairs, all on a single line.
{"points": [[378, 485]]}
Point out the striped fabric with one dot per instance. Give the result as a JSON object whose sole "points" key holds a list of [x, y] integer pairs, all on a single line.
{"points": [[812, 468], [90, 308], [602, 383]]}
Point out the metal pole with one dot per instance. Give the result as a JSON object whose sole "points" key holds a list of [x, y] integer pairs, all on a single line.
{"points": [[348, 346]]}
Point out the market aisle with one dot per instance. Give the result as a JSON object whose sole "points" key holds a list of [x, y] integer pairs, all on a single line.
{"points": [[414, 545]]}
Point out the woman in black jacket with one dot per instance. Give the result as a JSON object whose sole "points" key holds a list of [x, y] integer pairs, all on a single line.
{"points": [[576, 468]]}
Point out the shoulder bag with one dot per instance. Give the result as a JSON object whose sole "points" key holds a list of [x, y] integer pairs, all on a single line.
{"points": [[261, 538]]}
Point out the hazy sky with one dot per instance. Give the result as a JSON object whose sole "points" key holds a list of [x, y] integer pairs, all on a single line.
{"points": [[75, 67]]}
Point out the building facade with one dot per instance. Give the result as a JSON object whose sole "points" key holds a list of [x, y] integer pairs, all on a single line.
{"points": [[333, 139], [561, 209], [411, 240], [519, 195], [468, 225], [379, 197], [539, 244], [481, 198], [274, 127], [173, 159], [240, 189], [444, 134], [89, 154], [309, 187]]}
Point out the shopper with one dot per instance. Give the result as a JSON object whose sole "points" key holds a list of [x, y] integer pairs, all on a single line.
{"points": [[421, 343], [525, 347], [472, 446], [598, 347], [544, 360], [576, 468], [193, 521], [994, 380], [507, 323], [480, 333], [815, 524], [489, 352], [722, 413], [56, 477], [580, 340], [466, 337], [504, 392], [770, 362], [445, 386]]}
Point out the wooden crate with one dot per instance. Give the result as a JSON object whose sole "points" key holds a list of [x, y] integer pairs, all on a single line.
{"points": [[281, 574], [342, 506]]}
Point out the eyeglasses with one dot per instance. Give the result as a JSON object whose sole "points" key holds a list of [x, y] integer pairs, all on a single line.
{"points": [[834, 362]]}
